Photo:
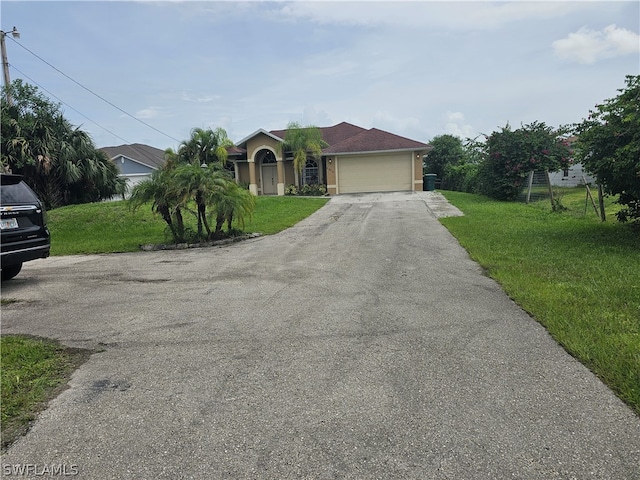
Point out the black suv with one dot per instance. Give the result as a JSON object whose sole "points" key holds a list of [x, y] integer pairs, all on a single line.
{"points": [[23, 231]]}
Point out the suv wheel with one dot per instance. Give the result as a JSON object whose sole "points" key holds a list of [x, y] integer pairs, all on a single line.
{"points": [[11, 271]]}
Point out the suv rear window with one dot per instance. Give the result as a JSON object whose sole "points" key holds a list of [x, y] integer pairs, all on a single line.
{"points": [[13, 191]]}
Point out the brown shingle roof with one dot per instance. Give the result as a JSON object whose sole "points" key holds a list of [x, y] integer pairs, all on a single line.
{"points": [[374, 140], [347, 138], [331, 135], [150, 156]]}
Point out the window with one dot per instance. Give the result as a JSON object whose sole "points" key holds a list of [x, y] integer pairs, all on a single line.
{"points": [[310, 174], [268, 157]]}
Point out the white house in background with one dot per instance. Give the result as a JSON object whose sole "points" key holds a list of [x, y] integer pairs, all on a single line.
{"points": [[571, 177], [136, 162]]}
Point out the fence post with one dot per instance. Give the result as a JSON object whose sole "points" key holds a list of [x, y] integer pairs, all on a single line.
{"points": [[529, 187], [553, 204]]}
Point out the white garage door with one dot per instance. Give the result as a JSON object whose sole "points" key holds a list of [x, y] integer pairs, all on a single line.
{"points": [[377, 173]]}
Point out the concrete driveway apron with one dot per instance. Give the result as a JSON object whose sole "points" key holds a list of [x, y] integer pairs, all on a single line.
{"points": [[361, 343]]}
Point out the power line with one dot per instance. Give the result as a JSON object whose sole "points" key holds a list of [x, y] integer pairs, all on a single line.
{"points": [[65, 103], [95, 94]]}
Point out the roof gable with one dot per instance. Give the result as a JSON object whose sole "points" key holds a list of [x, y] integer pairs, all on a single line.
{"points": [[242, 143]]}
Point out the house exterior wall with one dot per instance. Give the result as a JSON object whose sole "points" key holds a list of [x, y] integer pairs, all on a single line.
{"points": [[243, 172], [289, 173], [573, 179], [417, 171], [129, 167], [332, 185]]}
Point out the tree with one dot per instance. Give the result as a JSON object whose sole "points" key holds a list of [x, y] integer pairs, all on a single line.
{"points": [[512, 154], [160, 192], [463, 176], [445, 150], [60, 162], [608, 146], [205, 185], [233, 202], [195, 174], [303, 142], [205, 149]]}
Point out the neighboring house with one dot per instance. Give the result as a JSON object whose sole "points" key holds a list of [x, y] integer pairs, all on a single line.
{"points": [[136, 162], [571, 177], [356, 160]]}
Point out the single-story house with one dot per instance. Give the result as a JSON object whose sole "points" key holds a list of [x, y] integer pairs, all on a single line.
{"points": [[355, 160], [136, 162]]}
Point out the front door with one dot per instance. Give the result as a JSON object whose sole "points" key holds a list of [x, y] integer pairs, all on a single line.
{"points": [[269, 179]]}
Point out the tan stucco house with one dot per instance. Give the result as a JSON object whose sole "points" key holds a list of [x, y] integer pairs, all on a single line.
{"points": [[356, 160]]}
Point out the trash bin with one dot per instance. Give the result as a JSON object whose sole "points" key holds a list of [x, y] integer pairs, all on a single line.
{"points": [[429, 182]]}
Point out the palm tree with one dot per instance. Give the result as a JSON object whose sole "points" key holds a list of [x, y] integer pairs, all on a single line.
{"points": [[234, 203], [206, 153], [303, 142], [160, 191], [202, 184], [205, 147]]}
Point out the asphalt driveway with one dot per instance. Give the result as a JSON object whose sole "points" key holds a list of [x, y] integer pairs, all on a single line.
{"points": [[361, 343]]}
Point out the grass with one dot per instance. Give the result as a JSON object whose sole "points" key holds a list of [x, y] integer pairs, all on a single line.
{"points": [[34, 370], [578, 277], [112, 227]]}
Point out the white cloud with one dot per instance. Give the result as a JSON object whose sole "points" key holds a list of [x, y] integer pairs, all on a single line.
{"points": [[199, 98], [402, 125], [455, 14], [149, 113], [455, 125], [587, 46], [319, 118]]}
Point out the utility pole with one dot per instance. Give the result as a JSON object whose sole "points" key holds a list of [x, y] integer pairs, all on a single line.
{"points": [[5, 61]]}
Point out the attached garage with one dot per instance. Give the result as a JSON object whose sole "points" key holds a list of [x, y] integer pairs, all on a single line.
{"points": [[354, 160], [374, 173]]}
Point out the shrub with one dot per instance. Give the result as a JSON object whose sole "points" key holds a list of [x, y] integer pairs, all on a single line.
{"points": [[512, 154], [313, 190], [291, 190]]}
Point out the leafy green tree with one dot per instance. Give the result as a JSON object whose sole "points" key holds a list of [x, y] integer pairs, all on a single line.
{"points": [[608, 146], [60, 162], [302, 142], [445, 150], [463, 176], [512, 154]]}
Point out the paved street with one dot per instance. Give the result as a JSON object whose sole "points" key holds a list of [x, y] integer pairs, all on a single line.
{"points": [[362, 343]]}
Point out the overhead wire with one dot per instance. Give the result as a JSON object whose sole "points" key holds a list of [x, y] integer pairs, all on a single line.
{"points": [[93, 93], [65, 103]]}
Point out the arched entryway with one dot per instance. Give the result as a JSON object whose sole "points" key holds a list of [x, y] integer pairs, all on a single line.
{"points": [[266, 159]]}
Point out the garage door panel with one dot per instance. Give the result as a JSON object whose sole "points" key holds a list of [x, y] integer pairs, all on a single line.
{"points": [[383, 173]]}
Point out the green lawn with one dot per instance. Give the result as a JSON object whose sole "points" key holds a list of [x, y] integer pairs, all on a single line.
{"points": [[34, 370], [578, 277], [112, 227]]}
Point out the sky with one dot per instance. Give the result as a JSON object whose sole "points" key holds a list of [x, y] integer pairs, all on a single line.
{"points": [[149, 72]]}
